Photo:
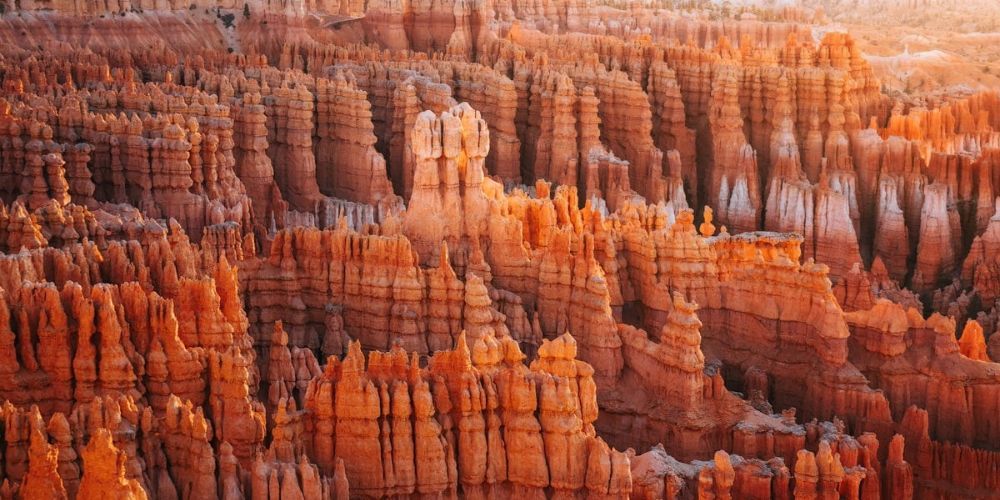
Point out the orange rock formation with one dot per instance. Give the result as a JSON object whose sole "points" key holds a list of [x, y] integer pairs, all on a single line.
{"points": [[332, 249]]}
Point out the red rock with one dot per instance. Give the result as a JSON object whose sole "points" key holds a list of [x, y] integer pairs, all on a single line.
{"points": [[187, 445], [292, 152], [240, 418], [42, 479], [972, 343], [836, 237], [199, 224], [253, 165], [899, 474], [69, 470], [346, 144], [935, 254], [734, 184], [104, 470]]}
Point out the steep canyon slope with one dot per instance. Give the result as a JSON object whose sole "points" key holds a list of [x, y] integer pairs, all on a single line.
{"points": [[488, 249]]}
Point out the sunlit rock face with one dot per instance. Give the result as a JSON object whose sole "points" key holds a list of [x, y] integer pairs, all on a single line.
{"points": [[335, 249]]}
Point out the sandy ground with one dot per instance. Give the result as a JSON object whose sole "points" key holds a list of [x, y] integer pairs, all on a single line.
{"points": [[917, 61]]}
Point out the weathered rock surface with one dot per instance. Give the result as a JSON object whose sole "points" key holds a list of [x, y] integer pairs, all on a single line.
{"points": [[327, 249]]}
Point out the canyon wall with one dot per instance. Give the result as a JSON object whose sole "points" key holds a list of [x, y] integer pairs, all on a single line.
{"points": [[551, 249]]}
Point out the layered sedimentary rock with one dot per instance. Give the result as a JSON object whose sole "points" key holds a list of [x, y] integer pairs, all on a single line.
{"points": [[733, 185], [350, 168], [935, 254], [888, 332], [677, 365], [158, 165], [329, 249], [253, 165], [832, 464], [104, 470], [457, 406], [290, 132]]}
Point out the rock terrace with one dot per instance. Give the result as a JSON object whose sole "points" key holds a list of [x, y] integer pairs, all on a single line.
{"points": [[555, 249]]}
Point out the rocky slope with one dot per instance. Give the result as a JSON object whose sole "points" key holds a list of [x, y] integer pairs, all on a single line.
{"points": [[553, 249]]}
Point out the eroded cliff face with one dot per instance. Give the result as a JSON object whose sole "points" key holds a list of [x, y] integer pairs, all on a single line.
{"points": [[558, 249]]}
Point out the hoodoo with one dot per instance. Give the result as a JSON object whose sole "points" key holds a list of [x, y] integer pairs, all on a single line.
{"points": [[492, 249]]}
